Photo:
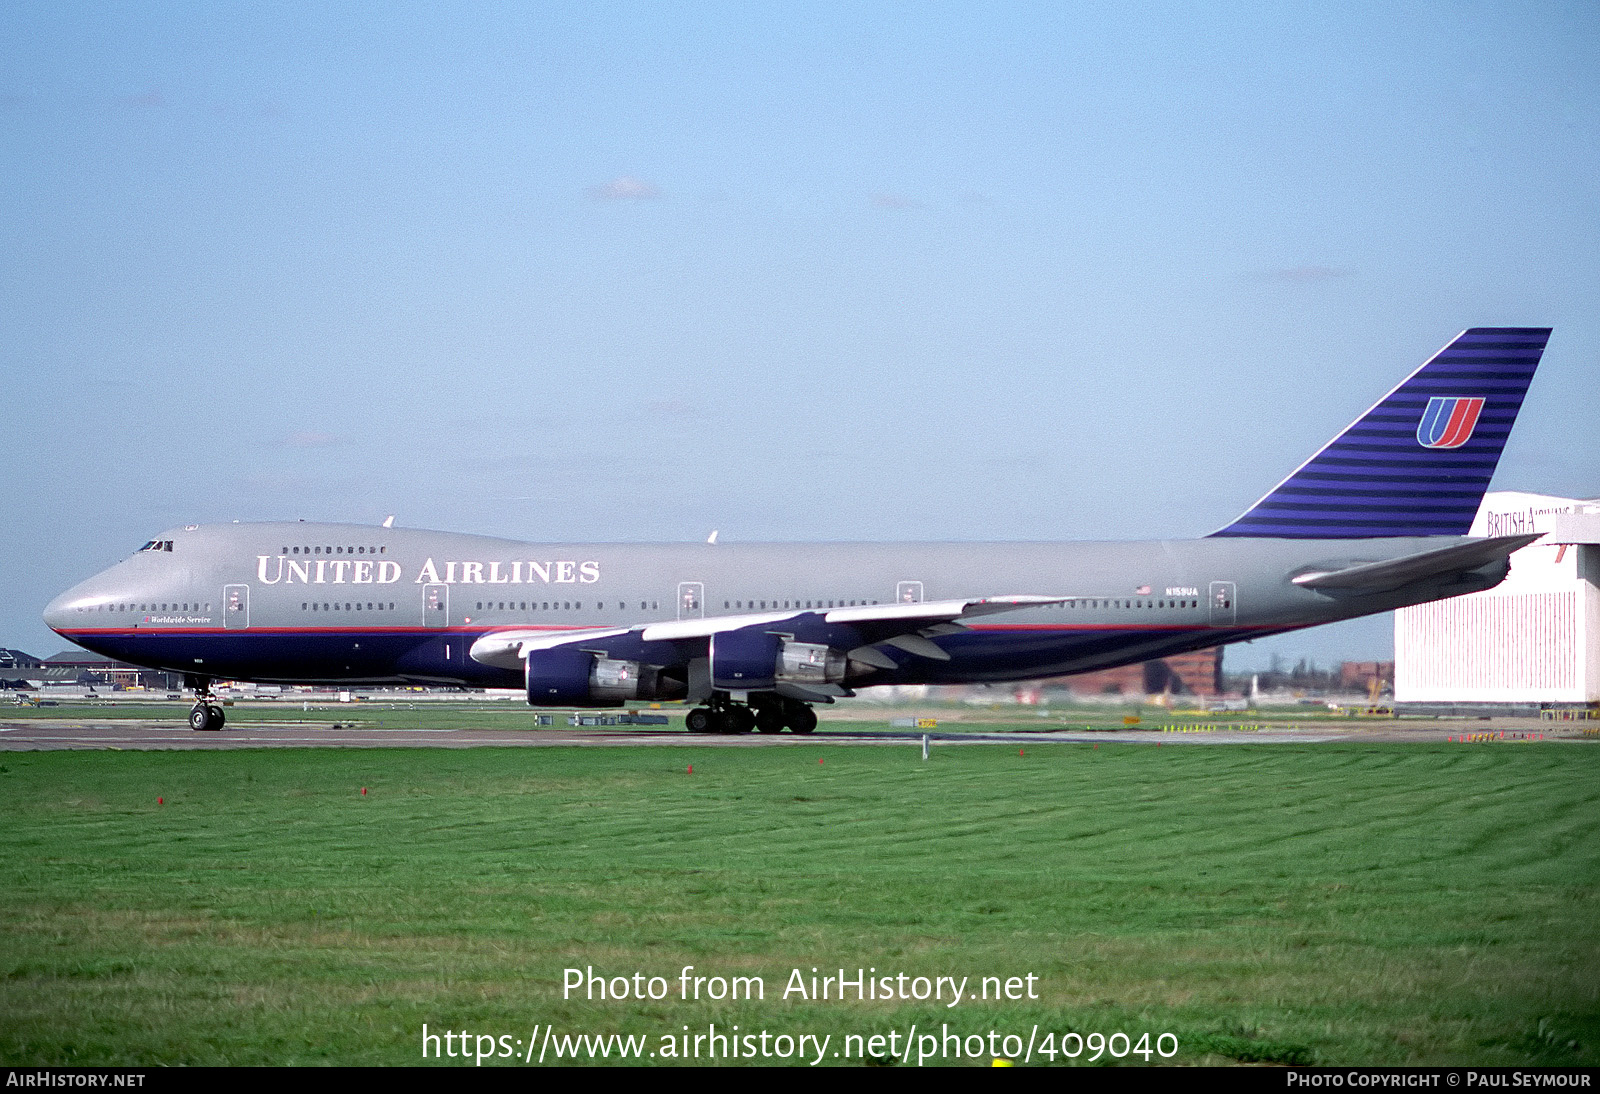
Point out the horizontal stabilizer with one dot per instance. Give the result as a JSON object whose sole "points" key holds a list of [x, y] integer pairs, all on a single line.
{"points": [[1395, 572]]}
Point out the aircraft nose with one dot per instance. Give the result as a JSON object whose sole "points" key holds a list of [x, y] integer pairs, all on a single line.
{"points": [[59, 610], [66, 611]]}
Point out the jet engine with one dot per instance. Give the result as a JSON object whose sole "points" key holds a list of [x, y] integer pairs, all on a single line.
{"points": [[752, 660], [568, 678]]}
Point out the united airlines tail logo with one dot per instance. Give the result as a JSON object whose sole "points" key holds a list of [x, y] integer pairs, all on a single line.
{"points": [[1449, 421]]}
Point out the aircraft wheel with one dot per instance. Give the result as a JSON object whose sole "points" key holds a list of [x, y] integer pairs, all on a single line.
{"points": [[217, 717], [741, 720], [698, 720], [769, 720], [802, 720], [200, 719]]}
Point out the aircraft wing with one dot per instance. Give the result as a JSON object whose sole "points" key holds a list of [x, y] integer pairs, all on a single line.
{"points": [[910, 617], [1392, 573], [506, 649], [888, 624]]}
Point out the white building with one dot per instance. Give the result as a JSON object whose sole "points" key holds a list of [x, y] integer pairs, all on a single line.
{"points": [[1533, 639]]}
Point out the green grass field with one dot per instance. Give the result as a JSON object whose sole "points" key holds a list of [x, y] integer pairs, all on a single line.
{"points": [[1331, 904]]}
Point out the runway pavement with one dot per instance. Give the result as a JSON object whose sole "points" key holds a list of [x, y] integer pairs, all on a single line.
{"points": [[51, 735]]}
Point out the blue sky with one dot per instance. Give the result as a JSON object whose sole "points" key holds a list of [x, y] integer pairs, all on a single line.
{"points": [[856, 271]]}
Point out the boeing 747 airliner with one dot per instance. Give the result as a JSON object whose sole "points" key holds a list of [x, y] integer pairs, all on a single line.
{"points": [[754, 634]]}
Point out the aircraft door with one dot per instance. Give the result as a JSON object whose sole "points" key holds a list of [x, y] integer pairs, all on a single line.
{"points": [[691, 600], [236, 607], [436, 605], [1222, 604], [908, 592]]}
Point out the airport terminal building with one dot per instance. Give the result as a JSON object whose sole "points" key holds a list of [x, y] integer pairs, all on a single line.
{"points": [[1531, 643]]}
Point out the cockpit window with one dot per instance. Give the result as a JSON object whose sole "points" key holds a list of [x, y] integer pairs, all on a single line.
{"points": [[157, 545]]}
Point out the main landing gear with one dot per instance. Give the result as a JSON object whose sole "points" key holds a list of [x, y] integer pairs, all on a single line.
{"points": [[206, 715], [764, 713]]}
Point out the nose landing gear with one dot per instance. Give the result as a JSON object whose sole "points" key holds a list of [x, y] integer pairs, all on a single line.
{"points": [[204, 717]]}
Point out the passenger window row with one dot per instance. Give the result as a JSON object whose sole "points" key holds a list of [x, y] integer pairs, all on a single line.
{"points": [[555, 605], [152, 606], [752, 605], [349, 607], [1128, 604], [332, 550]]}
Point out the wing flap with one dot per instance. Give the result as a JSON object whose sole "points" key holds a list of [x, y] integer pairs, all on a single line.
{"points": [[917, 646]]}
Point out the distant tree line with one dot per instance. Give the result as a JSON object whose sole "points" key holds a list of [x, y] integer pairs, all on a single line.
{"points": [[1306, 675]]}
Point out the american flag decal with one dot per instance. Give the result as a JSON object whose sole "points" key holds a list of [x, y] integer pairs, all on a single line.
{"points": [[1448, 421]]}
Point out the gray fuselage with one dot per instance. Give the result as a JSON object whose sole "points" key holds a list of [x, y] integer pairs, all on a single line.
{"points": [[335, 603]]}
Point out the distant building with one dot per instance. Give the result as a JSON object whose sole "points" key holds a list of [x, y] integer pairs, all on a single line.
{"points": [[91, 669], [16, 659], [1531, 642], [20, 671], [1361, 675], [79, 668], [1197, 674]]}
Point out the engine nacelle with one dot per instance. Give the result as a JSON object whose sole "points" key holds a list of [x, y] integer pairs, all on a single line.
{"points": [[754, 660], [811, 663], [744, 660], [578, 678]]}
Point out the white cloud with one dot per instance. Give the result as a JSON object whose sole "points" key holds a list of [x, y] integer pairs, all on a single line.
{"points": [[625, 188]]}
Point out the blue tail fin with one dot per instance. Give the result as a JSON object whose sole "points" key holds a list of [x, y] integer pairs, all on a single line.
{"points": [[1416, 464]]}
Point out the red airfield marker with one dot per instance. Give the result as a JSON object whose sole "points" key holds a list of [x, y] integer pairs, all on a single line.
{"points": [[160, 801], [691, 769], [363, 791]]}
